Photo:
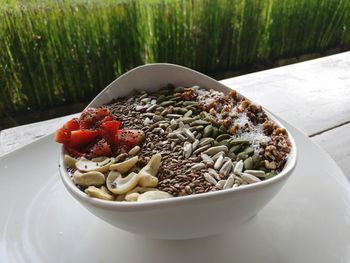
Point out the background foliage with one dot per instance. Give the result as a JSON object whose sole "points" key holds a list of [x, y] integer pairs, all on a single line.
{"points": [[60, 52]]}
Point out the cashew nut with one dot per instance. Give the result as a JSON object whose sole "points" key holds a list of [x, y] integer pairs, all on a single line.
{"points": [[147, 175], [86, 165], [90, 178], [125, 166], [121, 185], [153, 195], [69, 161], [132, 197], [98, 193], [111, 177]]}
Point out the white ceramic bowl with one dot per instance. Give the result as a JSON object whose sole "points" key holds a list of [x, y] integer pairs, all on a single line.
{"points": [[181, 217]]}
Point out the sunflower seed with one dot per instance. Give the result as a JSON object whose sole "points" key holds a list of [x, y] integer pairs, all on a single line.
{"points": [[213, 150], [201, 149], [238, 167], [206, 159], [167, 103], [226, 168], [229, 182], [216, 156], [205, 141], [220, 184], [151, 108], [174, 115], [147, 121], [214, 174], [180, 136], [210, 179], [189, 134], [219, 162], [250, 179], [187, 149], [186, 120], [195, 144], [257, 173], [197, 167]]}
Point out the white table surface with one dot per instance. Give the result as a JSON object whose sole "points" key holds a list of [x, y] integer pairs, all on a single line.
{"points": [[314, 96]]}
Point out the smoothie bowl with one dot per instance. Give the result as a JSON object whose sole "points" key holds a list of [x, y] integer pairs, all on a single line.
{"points": [[167, 152]]}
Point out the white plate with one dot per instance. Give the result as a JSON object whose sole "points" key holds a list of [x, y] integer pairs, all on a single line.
{"points": [[308, 221]]}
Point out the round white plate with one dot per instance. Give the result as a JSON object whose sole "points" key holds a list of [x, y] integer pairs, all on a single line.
{"points": [[308, 221]]}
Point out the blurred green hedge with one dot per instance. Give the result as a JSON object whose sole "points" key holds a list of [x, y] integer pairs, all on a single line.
{"points": [[52, 53]]}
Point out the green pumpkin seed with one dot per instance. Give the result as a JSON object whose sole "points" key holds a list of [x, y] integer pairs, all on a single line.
{"points": [[223, 137], [223, 142], [235, 149], [237, 141], [249, 150], [161, 98], [222, 129], [232, 155], [208, 130], [216, 143], [242, 156], [248, 163], [167, 103], [215, 132], [270, 175], [178, 89], [188, 113], [199, 122], [189, 103]]}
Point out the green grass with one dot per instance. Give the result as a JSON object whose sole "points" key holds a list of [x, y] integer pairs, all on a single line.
{"points": [[59, 52]]}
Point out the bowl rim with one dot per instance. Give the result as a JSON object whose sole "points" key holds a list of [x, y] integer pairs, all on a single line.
{"points": [[112, 205]]}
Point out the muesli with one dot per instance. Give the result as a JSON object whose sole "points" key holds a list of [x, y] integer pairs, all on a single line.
{"points": [[177, 141]]}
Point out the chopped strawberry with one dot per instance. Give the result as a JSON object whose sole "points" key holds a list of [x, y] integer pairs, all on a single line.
{"points": [[62, 136], [130, 137], [72, 125], [101, 148], [87, 118], [109, 129], [80, 138], [102, 113], [108, 118]]}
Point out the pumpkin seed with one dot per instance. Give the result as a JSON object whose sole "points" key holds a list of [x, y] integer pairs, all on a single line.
{"points": [[199, 122], [270, 175], [208, 131], [248, 163], [235, 149], [190, 103], [223, 142], [223, 137], [188, 113], [249, 150], [242, 156], [232, 155], [215, 132], [167, 103], [238, 142]]}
